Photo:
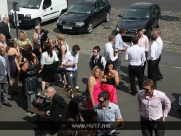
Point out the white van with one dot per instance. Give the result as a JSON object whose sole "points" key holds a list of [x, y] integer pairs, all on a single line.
{"points": [[35, 12]]}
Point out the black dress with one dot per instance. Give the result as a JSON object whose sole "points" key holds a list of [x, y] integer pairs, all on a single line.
{"points": [[30, 78], [13, 67]]}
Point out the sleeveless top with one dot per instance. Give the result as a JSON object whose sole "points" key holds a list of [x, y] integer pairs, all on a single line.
{"points": [[110, 81]]}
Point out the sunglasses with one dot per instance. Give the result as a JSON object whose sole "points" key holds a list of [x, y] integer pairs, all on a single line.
{"points": [[146, 90], [100, 101]]}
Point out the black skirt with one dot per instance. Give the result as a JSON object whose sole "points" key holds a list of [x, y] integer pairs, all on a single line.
{"points": [[48, 73]]}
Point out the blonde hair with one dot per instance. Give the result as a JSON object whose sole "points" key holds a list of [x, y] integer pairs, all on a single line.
{"points": [[24, 33], [61, 37], [37, 27], [2, 36], [93, 72]]}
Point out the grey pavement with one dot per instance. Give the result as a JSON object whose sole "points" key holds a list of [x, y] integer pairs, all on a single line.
{"points": [[170, 68]]}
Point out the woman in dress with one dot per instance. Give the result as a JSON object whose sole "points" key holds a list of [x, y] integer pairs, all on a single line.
{"points": [[74, 116], [48, 58], [110, 81], [61, 49], [36, 42], [29, 70], [12, 55], [94, 87], [23, 40], [44, 40]]}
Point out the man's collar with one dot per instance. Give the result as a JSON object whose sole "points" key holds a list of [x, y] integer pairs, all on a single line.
{"points": [[96, 57]]}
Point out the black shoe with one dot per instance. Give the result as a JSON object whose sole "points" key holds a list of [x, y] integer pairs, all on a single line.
{"points": [[159, 77], [179, 109], [133, 94], [7, 104]]}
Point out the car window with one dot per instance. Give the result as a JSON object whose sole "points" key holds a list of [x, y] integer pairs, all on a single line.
{"points": [[80, 8], [96, 7], [47, 3], [140, 13]]}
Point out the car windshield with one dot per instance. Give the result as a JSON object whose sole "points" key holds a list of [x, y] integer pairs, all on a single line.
{"points": [[80, 9], [32, 4], [137, 14]]}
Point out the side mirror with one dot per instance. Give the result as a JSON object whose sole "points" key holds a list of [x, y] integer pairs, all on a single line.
{"points": [[120, 16], [44, 6]]}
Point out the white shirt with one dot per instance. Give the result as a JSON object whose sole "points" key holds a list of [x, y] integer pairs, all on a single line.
{"points": [[108, 52], [119, 44], [47, 60], [103, 60], [160, 45], [136, 55], [153, 51], [69, 59]]}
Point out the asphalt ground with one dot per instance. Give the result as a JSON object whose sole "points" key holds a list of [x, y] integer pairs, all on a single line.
{"points": [[170, 67]]}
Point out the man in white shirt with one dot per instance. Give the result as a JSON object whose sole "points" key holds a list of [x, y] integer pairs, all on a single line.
{"points": [[144, 43], [108, 49], [121, 46], [160, 47], [70, 62], [96, 59], [136, 56], [152, 59]]}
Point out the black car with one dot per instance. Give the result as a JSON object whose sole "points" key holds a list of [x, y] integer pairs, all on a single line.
{"points": [[83, 15], [141, 15]]}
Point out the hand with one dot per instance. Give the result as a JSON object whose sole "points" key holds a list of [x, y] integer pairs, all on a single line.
{"points": [[116, 54], [60, 115], [124, 49], [61, 66], [40, 50], [40, 71], [74, 64], [146, 52], [48, 113], [163, 119]]}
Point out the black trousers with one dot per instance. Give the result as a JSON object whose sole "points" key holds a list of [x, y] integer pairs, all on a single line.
{"points": [[152, 70], [148, 127], [159, 73], [135, 71]]}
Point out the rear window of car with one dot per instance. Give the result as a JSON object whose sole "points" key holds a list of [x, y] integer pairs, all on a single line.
{"points": [[80, 8], [139, 13]]}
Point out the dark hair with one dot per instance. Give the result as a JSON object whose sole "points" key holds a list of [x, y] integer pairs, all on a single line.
{"points": [[149, 82], [139, 30], [122, 30], [153, 37], [26, 53], [104, 94], [44, 37], [135, 40], [97, 48], [109, 62], [48, 49], [73, 109], [28, 47], [111, 37], [89, 114], [75, 47], [10, 44]]}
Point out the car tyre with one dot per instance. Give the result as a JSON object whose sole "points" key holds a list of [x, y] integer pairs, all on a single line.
{"points": [[89, 28], [107, 17], [158, 25], [37, 22]]}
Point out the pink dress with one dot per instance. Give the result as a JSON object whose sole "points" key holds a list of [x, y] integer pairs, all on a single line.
{"points": [[97, 89], [110, 87]]}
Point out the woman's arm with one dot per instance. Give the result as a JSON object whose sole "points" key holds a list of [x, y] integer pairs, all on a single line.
{"points": [[51, 43], [63, 48], [115, 76], [35, 38], [90, 89]]}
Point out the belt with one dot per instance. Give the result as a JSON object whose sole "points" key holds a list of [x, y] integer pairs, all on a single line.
{"points": [[136, 65], [70, 70]]}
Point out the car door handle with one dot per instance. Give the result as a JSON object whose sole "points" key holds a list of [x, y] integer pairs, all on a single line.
{"points": [[51, 8]]}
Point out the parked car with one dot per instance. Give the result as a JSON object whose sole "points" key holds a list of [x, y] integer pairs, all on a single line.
{"points": [[34, 12], [141, 15], [83, 15]]}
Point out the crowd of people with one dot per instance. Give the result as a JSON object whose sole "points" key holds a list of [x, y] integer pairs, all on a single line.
{"points": [[25, 60]]}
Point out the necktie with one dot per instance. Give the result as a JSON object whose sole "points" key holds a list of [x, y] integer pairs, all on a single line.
{"points": [[74, 62], [95, 60]]}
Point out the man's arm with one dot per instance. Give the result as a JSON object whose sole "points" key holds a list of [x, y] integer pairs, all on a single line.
{"points": [[110, 53], [147, 44], [90, 64], [143, 58], [65, 60], [167, 103], [140, 106], [126, 55], [103, 61]]}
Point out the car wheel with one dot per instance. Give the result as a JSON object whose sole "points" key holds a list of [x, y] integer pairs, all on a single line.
{"points": [[37, 22], [107, 17], [158, 25], [89, 28]]}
